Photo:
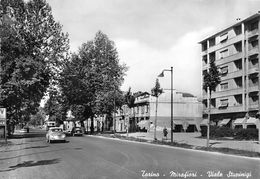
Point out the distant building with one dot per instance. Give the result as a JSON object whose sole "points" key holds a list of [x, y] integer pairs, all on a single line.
{"points": [[235, 50], [187, 113]]}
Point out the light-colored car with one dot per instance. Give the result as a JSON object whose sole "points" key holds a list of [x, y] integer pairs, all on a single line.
{"points": [[55, 134]]}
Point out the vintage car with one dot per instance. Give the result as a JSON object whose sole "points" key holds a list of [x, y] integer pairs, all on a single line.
{"points": [[55, 134], [77, 131]]}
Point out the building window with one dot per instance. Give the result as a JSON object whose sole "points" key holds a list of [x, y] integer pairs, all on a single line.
{"points": [[238, 30], [142, 109], [238, 47], [204, 46], [223, 37], [224, 86], [147, 108], [253, 26], [238, 64], [224, 70], [254, 44], [238, 82], [223, 53], [205, 60], [212, 56], [212, 42], [238, 99]]}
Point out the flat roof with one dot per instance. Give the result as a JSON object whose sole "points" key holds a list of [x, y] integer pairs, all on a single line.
{"points": [[239, 22]]}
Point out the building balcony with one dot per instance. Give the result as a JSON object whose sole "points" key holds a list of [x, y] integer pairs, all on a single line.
{"points": [[228, 109], [204, 52], [252, 33], [253, 106], [253, 51], [253, 70], [229, 42], [230, 58], [232, 75], [230, 92], [253, 88]]}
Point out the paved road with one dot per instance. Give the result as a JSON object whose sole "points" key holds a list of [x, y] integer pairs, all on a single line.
{"points": [[92, 157]]}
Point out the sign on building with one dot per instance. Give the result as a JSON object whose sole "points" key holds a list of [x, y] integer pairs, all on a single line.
{"points": [[2, 116]]}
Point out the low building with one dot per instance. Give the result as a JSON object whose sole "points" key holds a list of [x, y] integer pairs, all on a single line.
{"points": [[187, 113]]}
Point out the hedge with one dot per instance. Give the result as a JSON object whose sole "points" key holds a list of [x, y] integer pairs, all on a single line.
{"points": [[239, 134]]}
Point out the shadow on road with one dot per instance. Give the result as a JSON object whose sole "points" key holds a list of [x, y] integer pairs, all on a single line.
{"points": [[32, 164], [18, 156], [27, 135], [35, 147]]}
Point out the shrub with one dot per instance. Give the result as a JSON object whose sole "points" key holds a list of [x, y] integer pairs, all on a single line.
{"points": [[224, 132], [238, 134], [245, 134], [216, 131], [212, 131]]}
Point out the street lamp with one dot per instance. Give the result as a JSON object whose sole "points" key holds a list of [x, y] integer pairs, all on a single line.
{"points": [[162, 75]]}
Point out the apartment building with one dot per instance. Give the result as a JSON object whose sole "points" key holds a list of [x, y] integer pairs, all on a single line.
{"points": [[235, 51]]}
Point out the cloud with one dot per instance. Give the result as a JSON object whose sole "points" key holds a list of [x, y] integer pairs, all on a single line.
{"points": [[147, 62]]}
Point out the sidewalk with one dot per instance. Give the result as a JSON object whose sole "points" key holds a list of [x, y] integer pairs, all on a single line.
{"points": [[195, 140]]}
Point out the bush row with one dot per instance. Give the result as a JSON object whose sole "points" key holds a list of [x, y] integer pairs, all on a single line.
{"points": [[239, 134]]}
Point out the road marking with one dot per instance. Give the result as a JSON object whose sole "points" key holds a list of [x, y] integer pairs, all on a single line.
{"points": [[173, 147]]}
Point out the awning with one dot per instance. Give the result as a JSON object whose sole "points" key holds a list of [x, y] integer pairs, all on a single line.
{"points": [[224, 122], [252, 121], [204, 122], [239, 121], [223, 37], [223, 105]]}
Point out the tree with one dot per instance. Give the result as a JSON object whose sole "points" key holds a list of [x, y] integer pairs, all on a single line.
{"points": [[211, 79], [32, 50], [130, 102], [129, 98], [91, 79], [56, 107], [156, 92], [38, 118]]}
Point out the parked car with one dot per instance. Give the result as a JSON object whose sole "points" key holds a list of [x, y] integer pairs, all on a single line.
{"points": [[77, 131], [55, 134]]}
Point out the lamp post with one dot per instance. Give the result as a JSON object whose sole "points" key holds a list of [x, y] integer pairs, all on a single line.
{"points": [[162, 75]]}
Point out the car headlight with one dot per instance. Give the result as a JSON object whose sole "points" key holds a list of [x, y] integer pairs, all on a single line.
{"points": [[63, 135]]}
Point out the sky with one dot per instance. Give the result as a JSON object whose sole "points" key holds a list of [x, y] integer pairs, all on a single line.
{"points": [[152, 35]]}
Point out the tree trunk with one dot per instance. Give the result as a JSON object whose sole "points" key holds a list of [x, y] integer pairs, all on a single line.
{"points": [[155, 120], [92, 125], [82, 126], [208, 125]]}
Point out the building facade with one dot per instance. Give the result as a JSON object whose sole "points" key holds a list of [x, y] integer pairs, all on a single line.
{"points": [[235, 51], [187, 113]]}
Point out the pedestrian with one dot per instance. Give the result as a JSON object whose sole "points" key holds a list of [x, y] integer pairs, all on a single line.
{"points": [[165, 132]]}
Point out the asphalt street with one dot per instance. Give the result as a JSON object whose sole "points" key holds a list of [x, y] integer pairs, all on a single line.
{"points": [[94, 157]]}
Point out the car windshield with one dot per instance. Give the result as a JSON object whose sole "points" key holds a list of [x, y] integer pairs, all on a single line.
{"points": [[56, 130]]}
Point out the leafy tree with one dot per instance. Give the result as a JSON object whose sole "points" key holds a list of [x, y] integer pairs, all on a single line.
{"points": [[91, 79], [156, 92], [56, 107], [211, 79], [129, 98], [38, 118], [32, 50]]}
